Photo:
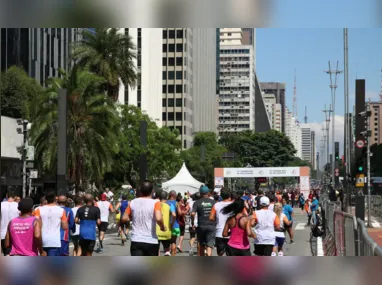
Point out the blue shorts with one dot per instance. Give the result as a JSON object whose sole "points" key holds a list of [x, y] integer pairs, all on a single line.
{"points": [[280, 241], [64, 250], [52, 251]]}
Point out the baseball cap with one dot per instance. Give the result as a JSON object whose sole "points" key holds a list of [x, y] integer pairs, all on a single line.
{"points": [[264, 201], [204, 190], [103, 197]]}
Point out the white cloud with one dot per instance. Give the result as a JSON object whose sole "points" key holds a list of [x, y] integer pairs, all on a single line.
{"points": [[339, 135]]}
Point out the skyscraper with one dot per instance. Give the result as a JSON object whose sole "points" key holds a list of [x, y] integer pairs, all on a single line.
{"points": [[306, 143], [278, 89]]}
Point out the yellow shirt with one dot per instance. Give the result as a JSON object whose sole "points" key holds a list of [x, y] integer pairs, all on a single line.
{"points": [[166, 218]]}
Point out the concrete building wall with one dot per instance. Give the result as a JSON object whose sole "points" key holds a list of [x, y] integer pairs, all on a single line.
{"points": [[376, 122], [10, 139], [306, 143], [278, 89]]}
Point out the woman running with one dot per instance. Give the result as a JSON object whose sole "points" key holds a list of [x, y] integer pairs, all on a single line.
{"points": [[280, 234], [235, 228]]}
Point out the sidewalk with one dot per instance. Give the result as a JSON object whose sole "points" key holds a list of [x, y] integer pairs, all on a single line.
{"points": [[376, 235]]}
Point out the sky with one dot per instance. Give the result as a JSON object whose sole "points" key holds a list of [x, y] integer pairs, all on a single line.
{"points": [[280, 51]]}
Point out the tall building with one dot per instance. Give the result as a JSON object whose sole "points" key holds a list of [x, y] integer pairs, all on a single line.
{"points": [[274, 111], [306, 143], [147, 94], [376, 122], [40, 51], [293, 132], [313, 149], [249, 38], [278, 89]]}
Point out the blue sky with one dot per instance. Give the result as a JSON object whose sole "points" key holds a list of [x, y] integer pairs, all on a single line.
{"points": [[280, 51]]}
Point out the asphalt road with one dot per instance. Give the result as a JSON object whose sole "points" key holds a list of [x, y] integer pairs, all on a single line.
{"points": [[301, 247]]}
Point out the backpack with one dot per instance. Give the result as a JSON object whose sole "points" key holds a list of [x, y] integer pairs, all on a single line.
{"points": [[316, 231]]}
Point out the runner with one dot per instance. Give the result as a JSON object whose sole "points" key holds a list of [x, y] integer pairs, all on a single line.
{"points": [[169, 214], [193, 229], [264, 223], [9, 211], [105, 207], [62, 202], [76, 234], [289, 212], [206, 228], [182, 210], [53, 219], [24, 232], [144, 213], [175, 228], [123, 227], [260, 194], [220, 218], [272, 199], [235, 228], [88, 217], [280, 233], [313, 209]]}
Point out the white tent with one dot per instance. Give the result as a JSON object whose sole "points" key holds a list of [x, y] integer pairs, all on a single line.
{"points": [[182, 182]]}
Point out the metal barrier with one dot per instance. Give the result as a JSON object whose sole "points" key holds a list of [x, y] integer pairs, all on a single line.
{"points": [[345, 234], [376, 206], [366, 245]]}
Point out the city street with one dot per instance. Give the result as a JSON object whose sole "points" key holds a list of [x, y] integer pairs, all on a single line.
{"points": [[301, 247]]}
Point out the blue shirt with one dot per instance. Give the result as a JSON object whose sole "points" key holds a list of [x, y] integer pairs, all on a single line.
{"points": [[173, 204], [71, 224], [288, 210], [123, 206], [88, 220], [314, 205]]}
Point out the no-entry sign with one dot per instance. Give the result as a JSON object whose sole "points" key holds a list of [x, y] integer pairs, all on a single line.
{"points": [[360, 144]]}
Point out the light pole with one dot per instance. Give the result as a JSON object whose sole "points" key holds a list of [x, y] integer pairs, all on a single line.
{"points": [[333, 86], [23, 131]]}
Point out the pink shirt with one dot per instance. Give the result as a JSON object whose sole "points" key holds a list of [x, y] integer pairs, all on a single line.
{"points": [[22, 237], [238, 238]]}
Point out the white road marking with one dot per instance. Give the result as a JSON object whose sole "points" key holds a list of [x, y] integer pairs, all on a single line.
{"points": [[320, 248], [300, 227]]}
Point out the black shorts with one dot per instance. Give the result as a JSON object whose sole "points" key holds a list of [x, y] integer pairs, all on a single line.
{"points": [[231, 251], [125, 225], [206, 236], [221, 245], [144, 249], [76, 241], [193, 232], [6, 251], [182, 231], [165, 243], [263, 249], [103, 227], [287, 227], [87, 245]]}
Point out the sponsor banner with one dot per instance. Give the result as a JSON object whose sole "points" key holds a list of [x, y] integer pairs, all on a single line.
{"points": [[304, 183], [262, 172], [219, 181]]}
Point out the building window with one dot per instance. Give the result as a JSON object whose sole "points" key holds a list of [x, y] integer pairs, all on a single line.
{"points": [[164, 61], [171, 89], [185, 88], [170, 116], [179, 88], [171, 48], [164, 48], [179, 34], [179, 61], [185, 130], [164, 116], [171, 61], [171, 75], [164, 103], [178, 116], [179, 130], [185, 74], [164, 34], [164, 75], [170, 102], [164, 88], [178, 102], [171, 34], [184, 144], [179, 75], [179, 47]]}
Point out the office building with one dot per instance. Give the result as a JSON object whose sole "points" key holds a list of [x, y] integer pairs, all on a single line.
{"points": [[147, 94], [274, 111], [313, 149], [376, 123], [306, 143], [40, 51], [278, 89], [293, 132]]}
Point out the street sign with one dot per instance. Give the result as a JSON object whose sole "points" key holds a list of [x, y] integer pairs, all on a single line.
{"points": [[360, 143], [360, 182], [33, 174]]}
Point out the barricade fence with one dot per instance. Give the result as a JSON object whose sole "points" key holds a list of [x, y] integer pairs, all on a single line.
{"points": [[344, 234], [376, 206]]}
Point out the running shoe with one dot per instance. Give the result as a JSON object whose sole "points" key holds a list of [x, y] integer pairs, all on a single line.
{"points": [[273, 254], [281, 253], [167, 254], [191, 253], [292, 241]]}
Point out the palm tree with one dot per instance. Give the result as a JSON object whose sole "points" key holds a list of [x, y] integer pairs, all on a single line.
{"points": [[109, 54], [92, 121]]}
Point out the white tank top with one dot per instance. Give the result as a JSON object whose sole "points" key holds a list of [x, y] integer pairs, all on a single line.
{"points": [[220, 218], [9, 211], [265, 227], [281, 234], [51, 217], [104, 207]]}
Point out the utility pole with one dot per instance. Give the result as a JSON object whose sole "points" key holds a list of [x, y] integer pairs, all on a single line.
{"points": [[327, 120], [333, 86], [23, 130]]}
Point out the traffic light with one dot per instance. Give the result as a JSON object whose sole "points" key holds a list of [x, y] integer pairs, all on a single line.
{"points": [[337, 150]]}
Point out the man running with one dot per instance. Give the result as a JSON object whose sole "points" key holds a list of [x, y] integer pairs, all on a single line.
{"points": [[169, 214], [24, 232], [193, 229], [220, 218], [105, 207], [53, 219], [289, 212], [175, 228], [264, 223], [88, 217], [123, 227], [62, 202], [145, 213], [206, 228], [9, 211], [76, 234]]}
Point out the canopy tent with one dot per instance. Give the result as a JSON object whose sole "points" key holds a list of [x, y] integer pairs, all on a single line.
{"points": [[183, 182]]}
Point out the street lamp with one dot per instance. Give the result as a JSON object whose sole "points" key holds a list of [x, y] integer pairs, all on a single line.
{"points": [[23, 130]]}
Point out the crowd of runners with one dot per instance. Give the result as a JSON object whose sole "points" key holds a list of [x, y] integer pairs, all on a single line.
{"points": [[224, 220]]}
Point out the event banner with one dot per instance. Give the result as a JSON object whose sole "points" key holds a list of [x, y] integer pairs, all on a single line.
{"points": [[219, 181], [262, 172]]}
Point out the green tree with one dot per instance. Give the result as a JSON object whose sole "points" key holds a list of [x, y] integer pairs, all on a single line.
{"points": [[92, 121], [162, 148], [202, 163], [17, 91], [109, 54]]}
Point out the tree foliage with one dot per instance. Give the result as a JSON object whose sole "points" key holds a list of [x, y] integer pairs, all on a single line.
{"points": [[17, 91], [109, 54]]}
